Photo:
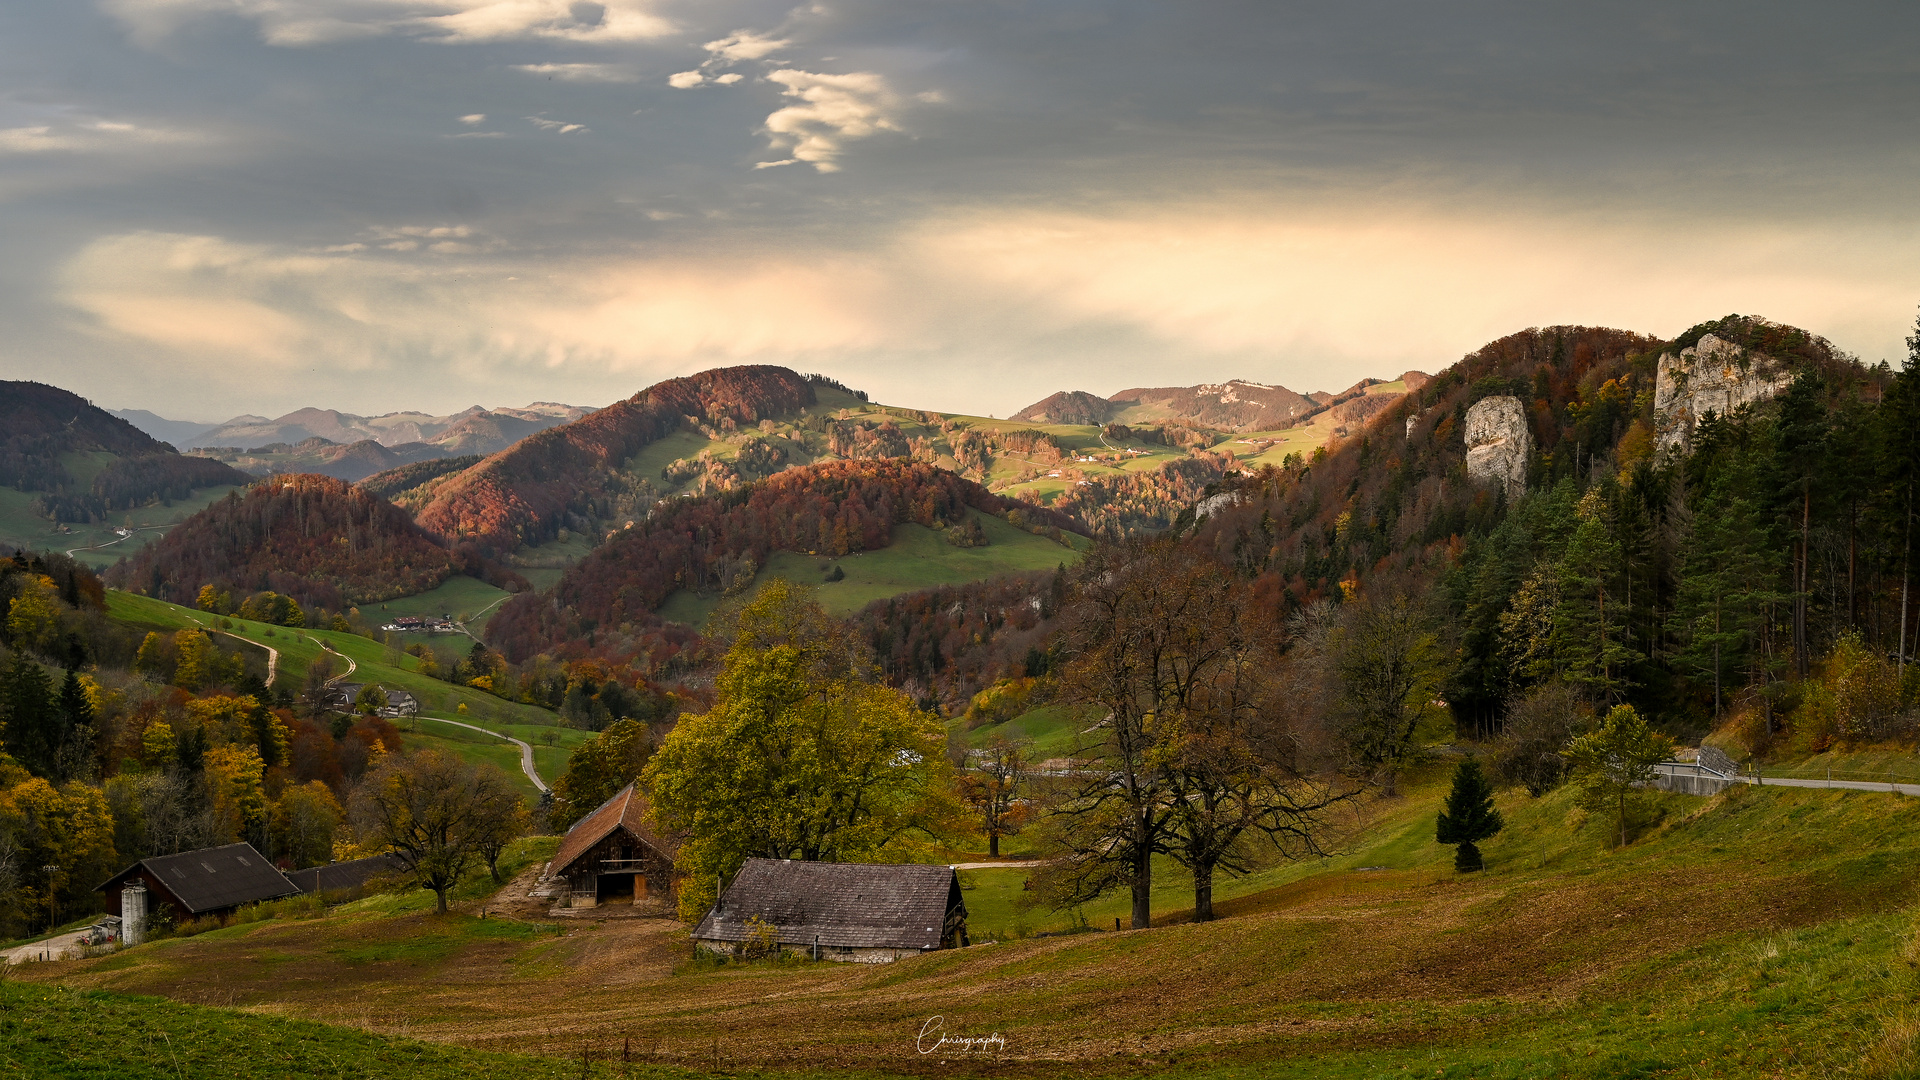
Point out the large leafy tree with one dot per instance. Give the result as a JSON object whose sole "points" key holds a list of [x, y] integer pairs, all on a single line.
{"points": [[1389, 666], [436, 813], [598, 769], [802, 756]]}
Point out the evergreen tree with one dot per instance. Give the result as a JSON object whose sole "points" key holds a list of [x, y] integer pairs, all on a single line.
{"points": [[1469, 816], [32, 716], [1589, 627]]}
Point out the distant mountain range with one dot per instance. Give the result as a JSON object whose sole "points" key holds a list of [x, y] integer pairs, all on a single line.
{"points": [[473, 431], [350, 447], [1235, 405]]}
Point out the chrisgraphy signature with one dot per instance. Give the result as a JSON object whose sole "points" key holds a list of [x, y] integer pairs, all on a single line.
{"points": [[933, 1037]]}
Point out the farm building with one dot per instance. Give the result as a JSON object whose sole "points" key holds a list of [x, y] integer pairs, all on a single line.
{"points": [[210, 882], [862, 912], [343, 877], [612, 854]]}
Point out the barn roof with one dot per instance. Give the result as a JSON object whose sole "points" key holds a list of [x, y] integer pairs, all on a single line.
{"points": [[627, 809], [849, 905], [213, 879], [340, 876]]}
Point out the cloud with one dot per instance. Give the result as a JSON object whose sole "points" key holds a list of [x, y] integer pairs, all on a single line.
{"points": [[1312, 298], [683, 80], [581, 73], [558, 127], [474, 118], [299, 23], [89, 136], [745, 45], [833, 110]]}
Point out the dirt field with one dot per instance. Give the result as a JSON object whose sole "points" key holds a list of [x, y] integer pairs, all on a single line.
{"points": [[1339, 963]]}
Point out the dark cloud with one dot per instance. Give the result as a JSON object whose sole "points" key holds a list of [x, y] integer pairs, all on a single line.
{"points": [[965, 198]]}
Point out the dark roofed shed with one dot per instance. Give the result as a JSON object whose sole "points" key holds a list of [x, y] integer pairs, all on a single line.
{"points": [[871, 912], [210, 881]]}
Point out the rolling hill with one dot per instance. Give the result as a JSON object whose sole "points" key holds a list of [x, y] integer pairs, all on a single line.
{"points": [[69, 468], [719, 545], [314, 538]]}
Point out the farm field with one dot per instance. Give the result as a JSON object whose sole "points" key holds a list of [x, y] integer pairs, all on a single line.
{"points": [[21, 527], [1761, 932], [465, 598], [1051, 730], [918, 558]]}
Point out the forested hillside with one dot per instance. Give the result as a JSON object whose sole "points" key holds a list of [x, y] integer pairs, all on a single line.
{"points": [[568, 475], [85, 463], [320, 540], [720, 542], [1700, 583]]}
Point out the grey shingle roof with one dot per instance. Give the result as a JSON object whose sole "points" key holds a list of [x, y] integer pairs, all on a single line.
{"points": [[341, 876], [212, 879], [848, 905]]}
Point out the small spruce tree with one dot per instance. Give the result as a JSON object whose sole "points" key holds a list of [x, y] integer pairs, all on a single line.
{"points": [[1469, 816]]}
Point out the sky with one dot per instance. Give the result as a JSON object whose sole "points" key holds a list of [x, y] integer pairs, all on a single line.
{"points": [[210, 207]]}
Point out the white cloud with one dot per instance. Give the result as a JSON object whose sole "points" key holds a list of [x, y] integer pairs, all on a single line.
{"points": [[89, 136], [581, 73], [745, 45], [474, 118], [833, 110], [682, 80], [558, 127], [297, 23], [728, 79]]}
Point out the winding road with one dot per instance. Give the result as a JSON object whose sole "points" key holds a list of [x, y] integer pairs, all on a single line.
{"points": [[273, 654], [110, 543], [526, 751]]}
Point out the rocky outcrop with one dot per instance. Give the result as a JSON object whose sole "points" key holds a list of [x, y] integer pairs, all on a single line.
{"points": [[1499, 442], [1714, 376]]}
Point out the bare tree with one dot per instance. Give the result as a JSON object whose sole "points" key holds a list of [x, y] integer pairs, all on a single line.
{"points": [[1196, 760], [435, 812]]}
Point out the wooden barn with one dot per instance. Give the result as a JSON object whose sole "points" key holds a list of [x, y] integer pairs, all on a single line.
{"points": [[613, 855], [867, 913], [210, 882]]}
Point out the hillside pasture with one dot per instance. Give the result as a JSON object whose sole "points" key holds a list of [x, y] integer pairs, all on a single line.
{"points": [[1760, 932], [21, 527], [918, 558]]}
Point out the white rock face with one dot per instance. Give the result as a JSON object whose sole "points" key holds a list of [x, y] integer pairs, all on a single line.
{"points": [[1714, 376], [1499, 442]]}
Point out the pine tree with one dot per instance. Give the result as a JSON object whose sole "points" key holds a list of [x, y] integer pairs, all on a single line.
{"points": [[1589, 624], [1469, 816]]}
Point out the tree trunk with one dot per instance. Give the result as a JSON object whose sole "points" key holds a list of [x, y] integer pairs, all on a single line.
{"points": [[993, 844], [1389, 788], [440, 898], [1143, 888], [1203, 892], [1800, 659]]}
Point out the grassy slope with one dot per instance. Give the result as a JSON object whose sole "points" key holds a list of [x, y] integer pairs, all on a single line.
{"points": [[918, 558], [21, 527], [1050, 730], [1766, 932], [467, 599], [377, 664]]}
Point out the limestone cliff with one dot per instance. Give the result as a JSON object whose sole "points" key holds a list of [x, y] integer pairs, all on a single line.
{"points": [[1499, 442], [1714, 376]]}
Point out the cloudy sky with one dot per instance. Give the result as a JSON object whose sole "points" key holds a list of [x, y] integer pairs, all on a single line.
{"points": [[217, 206]]}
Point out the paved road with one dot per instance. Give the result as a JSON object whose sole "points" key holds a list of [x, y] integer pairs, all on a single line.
{"points": [[1850, 785], [526, 752], [54, 948], [477, 614], [1029, 864]]}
